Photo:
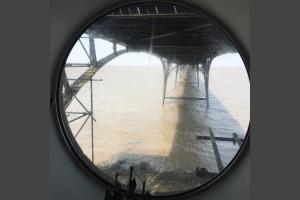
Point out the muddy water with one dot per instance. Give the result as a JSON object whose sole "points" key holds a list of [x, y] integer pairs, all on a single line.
{"points": [[133, 127]]}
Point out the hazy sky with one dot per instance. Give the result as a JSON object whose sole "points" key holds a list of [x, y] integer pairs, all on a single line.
{"points": [[104, 48]]}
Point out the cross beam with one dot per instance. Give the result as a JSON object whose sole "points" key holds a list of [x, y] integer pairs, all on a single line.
{"points": [[88, 74]]}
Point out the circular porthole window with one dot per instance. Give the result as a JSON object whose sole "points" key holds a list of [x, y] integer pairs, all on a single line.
{"points": [[158, 93]]}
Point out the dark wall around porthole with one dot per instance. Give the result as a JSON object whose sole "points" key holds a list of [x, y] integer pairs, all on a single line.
{"points": [[80, 183]]}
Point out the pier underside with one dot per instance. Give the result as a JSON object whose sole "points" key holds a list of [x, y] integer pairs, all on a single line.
{"points": [[178, 36]]}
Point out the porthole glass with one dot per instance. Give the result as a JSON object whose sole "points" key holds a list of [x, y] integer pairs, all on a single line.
{"points": [[158, 87]]}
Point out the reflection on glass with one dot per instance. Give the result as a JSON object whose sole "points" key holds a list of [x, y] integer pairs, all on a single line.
{"points": [[160, 88]]}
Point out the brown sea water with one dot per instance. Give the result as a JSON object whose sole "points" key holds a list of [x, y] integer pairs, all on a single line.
{"points": [[133, 127]]}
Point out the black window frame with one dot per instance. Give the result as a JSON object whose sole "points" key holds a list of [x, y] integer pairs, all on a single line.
{"points": [[64, 131]]}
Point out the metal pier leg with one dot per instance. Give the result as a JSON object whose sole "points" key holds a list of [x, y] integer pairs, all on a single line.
{"points": [[176, 74], [93, 60], [93, 57], [165, 85], [115, 47], [206, 80], [92, 117], [166, 67], [197, 73], [216, 151], [164, 91]]}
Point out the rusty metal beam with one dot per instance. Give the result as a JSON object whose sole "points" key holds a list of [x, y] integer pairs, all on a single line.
{"points": [[88, 75]]}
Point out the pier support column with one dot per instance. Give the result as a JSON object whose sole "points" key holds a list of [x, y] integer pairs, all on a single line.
{"points": [[115, 47], [197, 74], [93, 60], [93, 56], [177, 68], [206, 70], [166, 68]]}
